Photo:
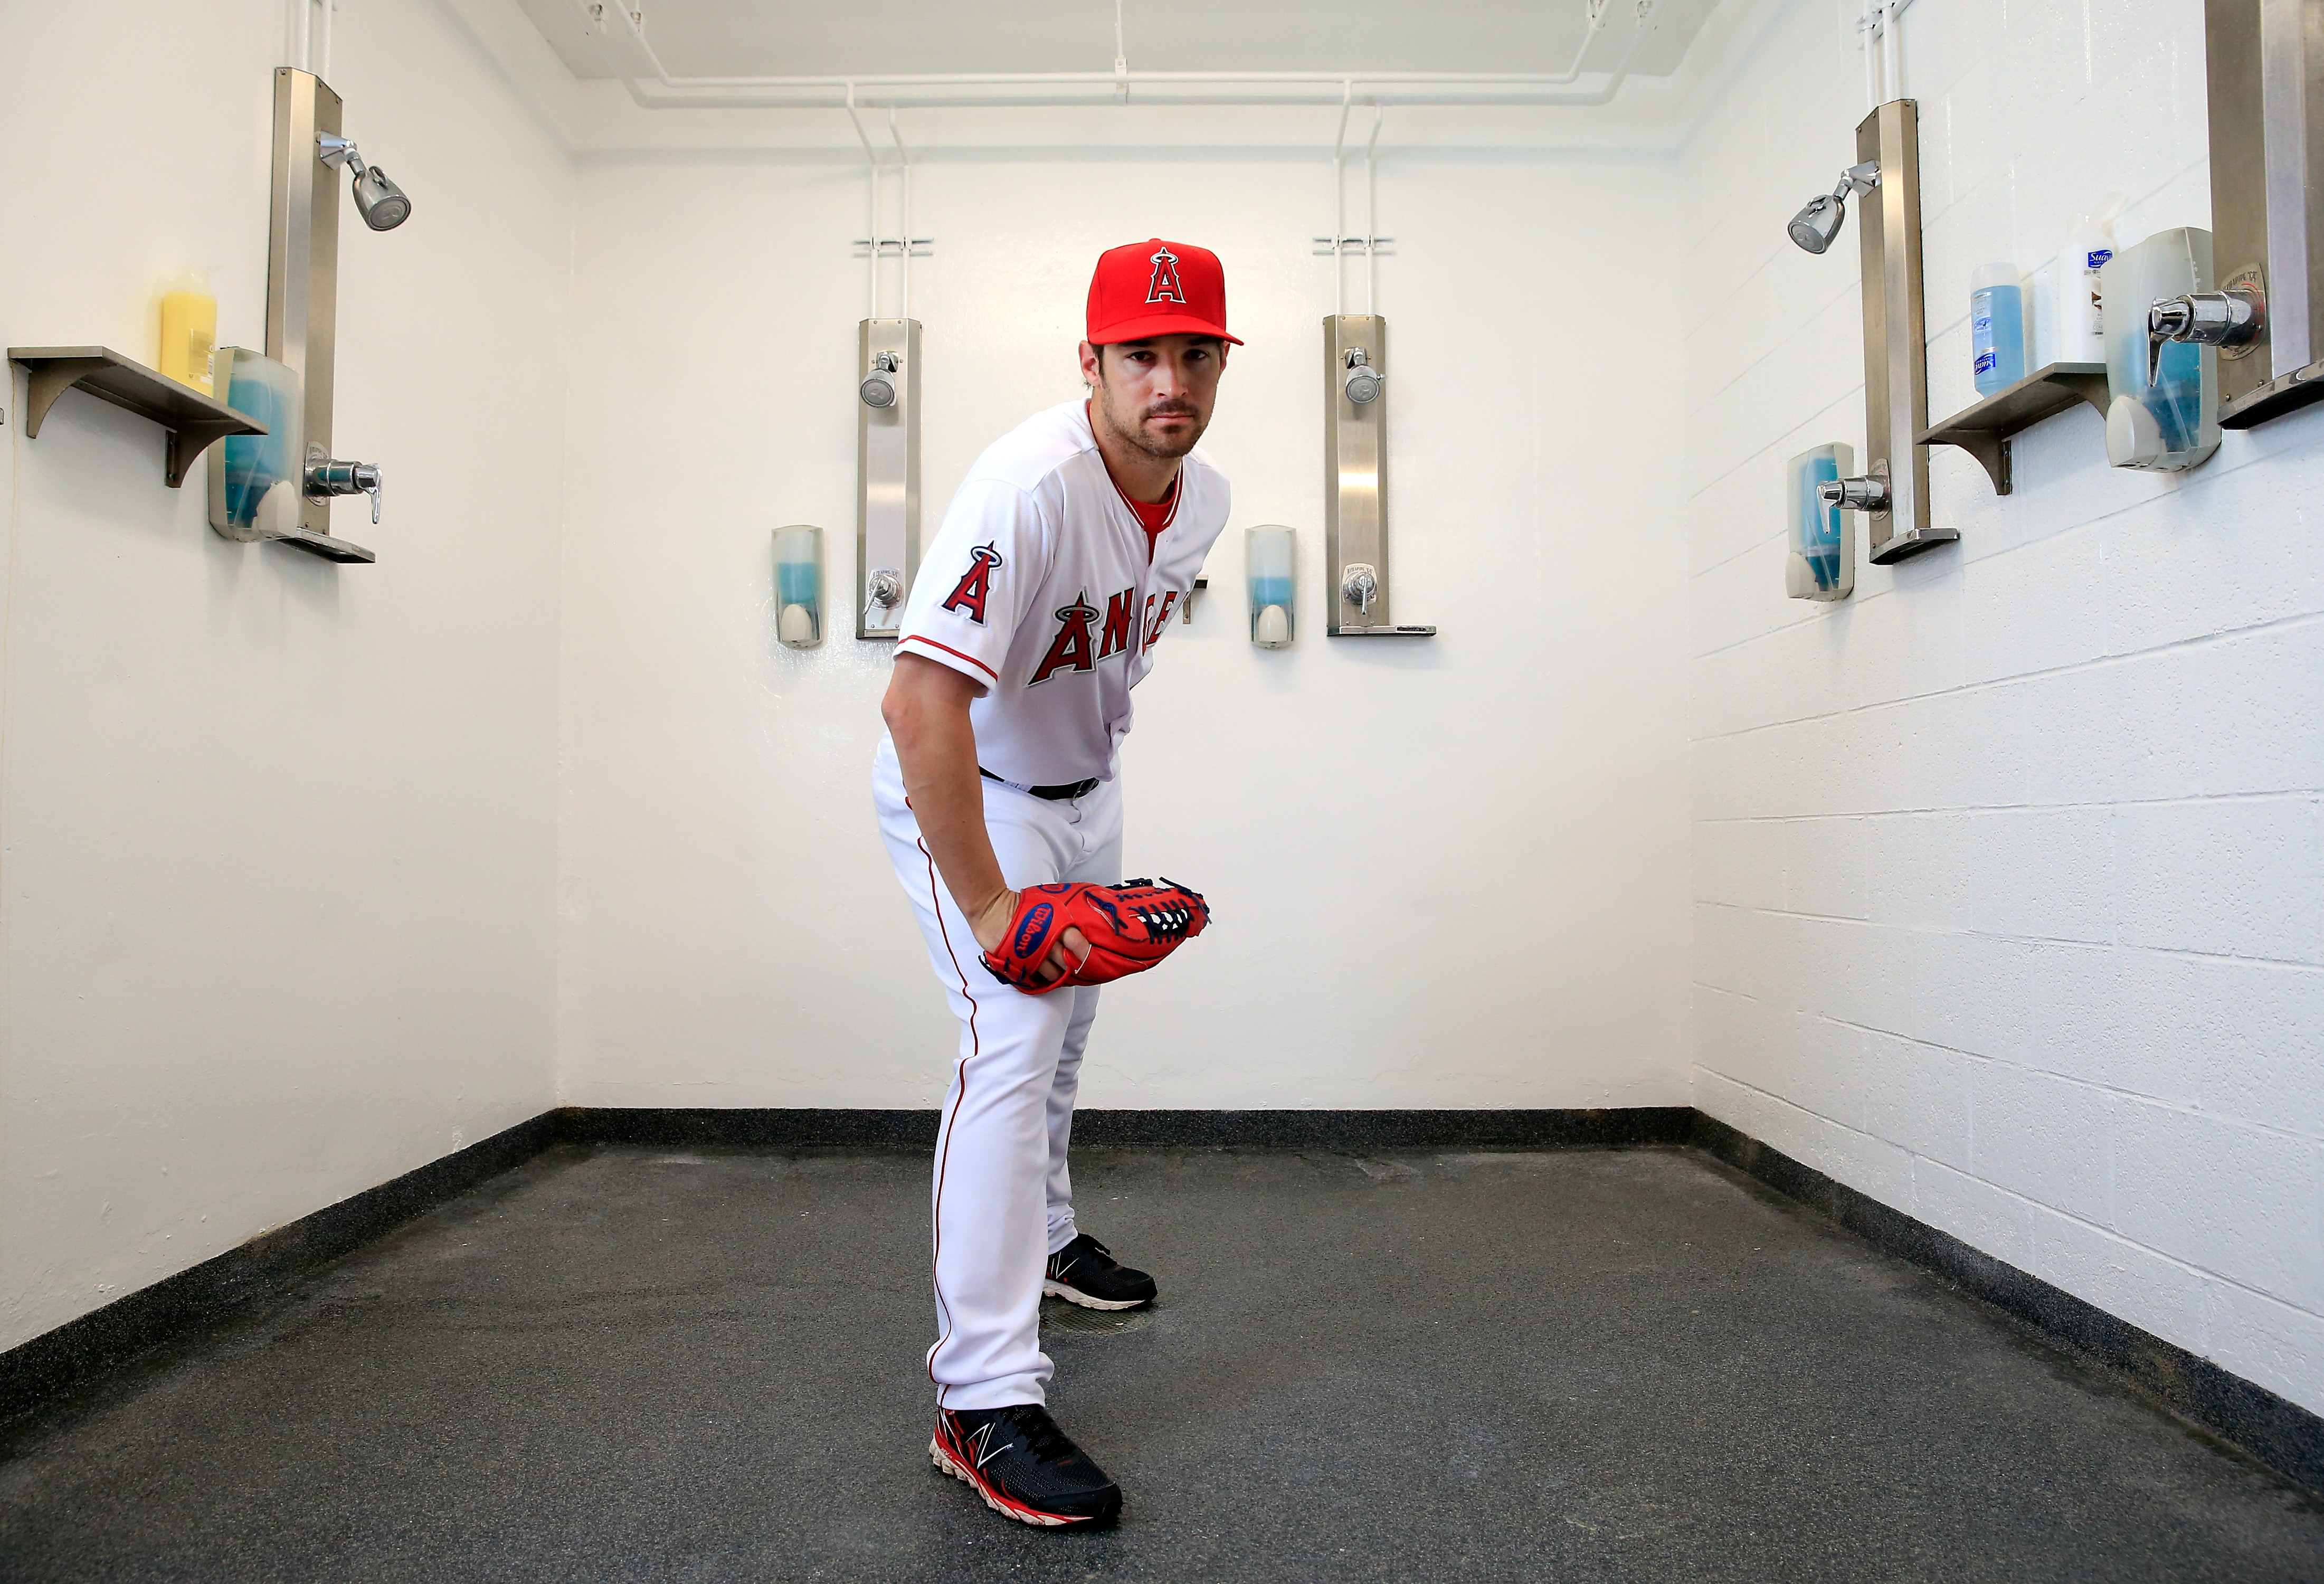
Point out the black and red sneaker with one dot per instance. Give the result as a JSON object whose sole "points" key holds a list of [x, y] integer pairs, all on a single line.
{"points": [[1024, 1467], [1083, 1272]]}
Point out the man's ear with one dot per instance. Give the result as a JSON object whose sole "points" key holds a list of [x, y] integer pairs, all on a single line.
{"points": [[1092, 358]]}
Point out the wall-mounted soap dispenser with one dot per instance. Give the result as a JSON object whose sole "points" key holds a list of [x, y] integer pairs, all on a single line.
{"points": [[1270, 558], [799, 586], [1821, 562], [2164, 413], [256, 480], [887, 471]]}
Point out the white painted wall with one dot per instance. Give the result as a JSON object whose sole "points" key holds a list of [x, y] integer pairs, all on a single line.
{"points": [[277, 840], [2010, 903], [1481, 905]]}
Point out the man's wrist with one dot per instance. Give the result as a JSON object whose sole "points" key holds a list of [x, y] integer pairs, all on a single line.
{"points": [[988, 923]]}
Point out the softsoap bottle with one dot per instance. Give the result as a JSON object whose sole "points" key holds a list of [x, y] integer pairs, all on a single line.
{"points": [[2089, 243], [1996, 326], [189, 344]]}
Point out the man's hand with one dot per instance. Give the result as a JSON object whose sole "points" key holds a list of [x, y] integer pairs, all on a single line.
{"points": [[993, 922]]}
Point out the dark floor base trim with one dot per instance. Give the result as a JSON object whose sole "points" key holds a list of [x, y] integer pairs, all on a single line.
{"points": [[800, 1127], [1437, 1129], [746, 1127], [2282, 1434], [83, 1349]]}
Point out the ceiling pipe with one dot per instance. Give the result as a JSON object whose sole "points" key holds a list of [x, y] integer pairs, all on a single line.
{"points": [[656, 90], [871, 210]]}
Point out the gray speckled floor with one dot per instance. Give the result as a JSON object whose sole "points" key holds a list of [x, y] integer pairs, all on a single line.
{"points": [[638, 1365]]}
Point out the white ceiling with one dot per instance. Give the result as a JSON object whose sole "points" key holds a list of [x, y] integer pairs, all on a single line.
{"points": [[755, 38]]}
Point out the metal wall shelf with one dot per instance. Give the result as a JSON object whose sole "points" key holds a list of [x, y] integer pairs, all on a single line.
{"points": [[1984, 430], [195, 422]]}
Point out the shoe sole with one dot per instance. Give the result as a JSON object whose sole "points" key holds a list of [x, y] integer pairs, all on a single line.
{"points": [[1053, 1289], [946, 1463]]}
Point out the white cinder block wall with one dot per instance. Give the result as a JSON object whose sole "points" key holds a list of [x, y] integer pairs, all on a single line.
{"points": [[2009, 898], [277, 873]]}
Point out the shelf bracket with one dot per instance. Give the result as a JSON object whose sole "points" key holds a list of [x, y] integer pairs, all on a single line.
{"points": [[45, 382], [1992, 453], [187, 441]]}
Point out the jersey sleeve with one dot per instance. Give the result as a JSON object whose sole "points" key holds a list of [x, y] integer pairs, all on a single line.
{"points": [[977, 580]]}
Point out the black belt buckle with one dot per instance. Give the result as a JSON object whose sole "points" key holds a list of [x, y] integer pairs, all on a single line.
{"points": [[1064, 793]]}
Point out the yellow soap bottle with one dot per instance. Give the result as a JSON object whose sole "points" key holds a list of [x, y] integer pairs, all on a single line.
{"points": [[190, 332]]}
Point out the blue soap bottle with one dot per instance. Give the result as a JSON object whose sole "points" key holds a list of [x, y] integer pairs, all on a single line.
{"points": [[1996, 326]]}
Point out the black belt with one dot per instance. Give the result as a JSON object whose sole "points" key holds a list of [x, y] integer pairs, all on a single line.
{"points": [[1072, 789]]}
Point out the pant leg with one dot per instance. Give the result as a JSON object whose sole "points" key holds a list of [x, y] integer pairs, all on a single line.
{"points": [[1063, 1090], [1096, 823], [992, 1150]]}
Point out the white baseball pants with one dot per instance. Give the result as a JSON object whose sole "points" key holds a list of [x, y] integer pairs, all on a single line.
{"points": [[1002, 1200]]}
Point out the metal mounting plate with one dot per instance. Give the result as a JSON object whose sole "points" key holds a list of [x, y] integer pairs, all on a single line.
{"points": [[887, 475]]}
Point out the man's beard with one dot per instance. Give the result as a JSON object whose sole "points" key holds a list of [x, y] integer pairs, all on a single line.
{"points": [[1134, 435]]}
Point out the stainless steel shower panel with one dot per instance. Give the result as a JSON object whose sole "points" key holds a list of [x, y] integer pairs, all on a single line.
{"points": [[888, 476], [302, 259], [1355, 481], [2265, 60], [1896, 334]]}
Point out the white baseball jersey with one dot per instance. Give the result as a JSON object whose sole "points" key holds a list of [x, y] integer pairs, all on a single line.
{"points": [[1040, 586]]}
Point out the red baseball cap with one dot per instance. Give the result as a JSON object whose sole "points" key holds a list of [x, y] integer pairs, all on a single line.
{"points": [[1157, 288]]}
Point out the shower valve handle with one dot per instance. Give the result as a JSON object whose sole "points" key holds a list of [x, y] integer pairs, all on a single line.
{"points": [[1360, 585], [328, 477], [2210, 318], [1869, 494]]}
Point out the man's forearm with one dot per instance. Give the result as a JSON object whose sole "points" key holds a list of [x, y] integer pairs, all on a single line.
{"points": [[935, 748]]}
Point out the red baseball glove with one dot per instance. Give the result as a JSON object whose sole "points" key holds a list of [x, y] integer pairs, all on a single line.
{"points": [[1129, 928]]}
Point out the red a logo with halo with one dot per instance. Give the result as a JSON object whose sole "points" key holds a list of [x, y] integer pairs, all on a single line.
{"points": [[976, 585], [1073, 649], [1165, 287]]}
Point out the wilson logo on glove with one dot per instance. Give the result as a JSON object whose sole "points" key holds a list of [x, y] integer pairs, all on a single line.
{"points": [[1129, 928], [1032, 929]]}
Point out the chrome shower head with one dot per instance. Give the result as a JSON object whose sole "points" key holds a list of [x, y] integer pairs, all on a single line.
{"points": [[1816, 223], [380, 202], [1814, 226]]}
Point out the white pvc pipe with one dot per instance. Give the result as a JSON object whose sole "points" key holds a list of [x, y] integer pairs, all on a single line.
{"points": [[1371, 215], [1871, 63], [872, 208], [1893, 33], [1339, 204], [904, 160]]}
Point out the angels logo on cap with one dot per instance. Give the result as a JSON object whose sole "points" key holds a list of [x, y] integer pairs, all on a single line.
{"points": [[1157, 288], [1165, 287]]}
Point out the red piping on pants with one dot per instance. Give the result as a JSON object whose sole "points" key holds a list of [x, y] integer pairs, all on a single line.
{"points": [[974, 1048]]}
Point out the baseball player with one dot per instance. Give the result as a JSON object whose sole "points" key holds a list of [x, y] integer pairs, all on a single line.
{"points": [[1037, 608]]}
